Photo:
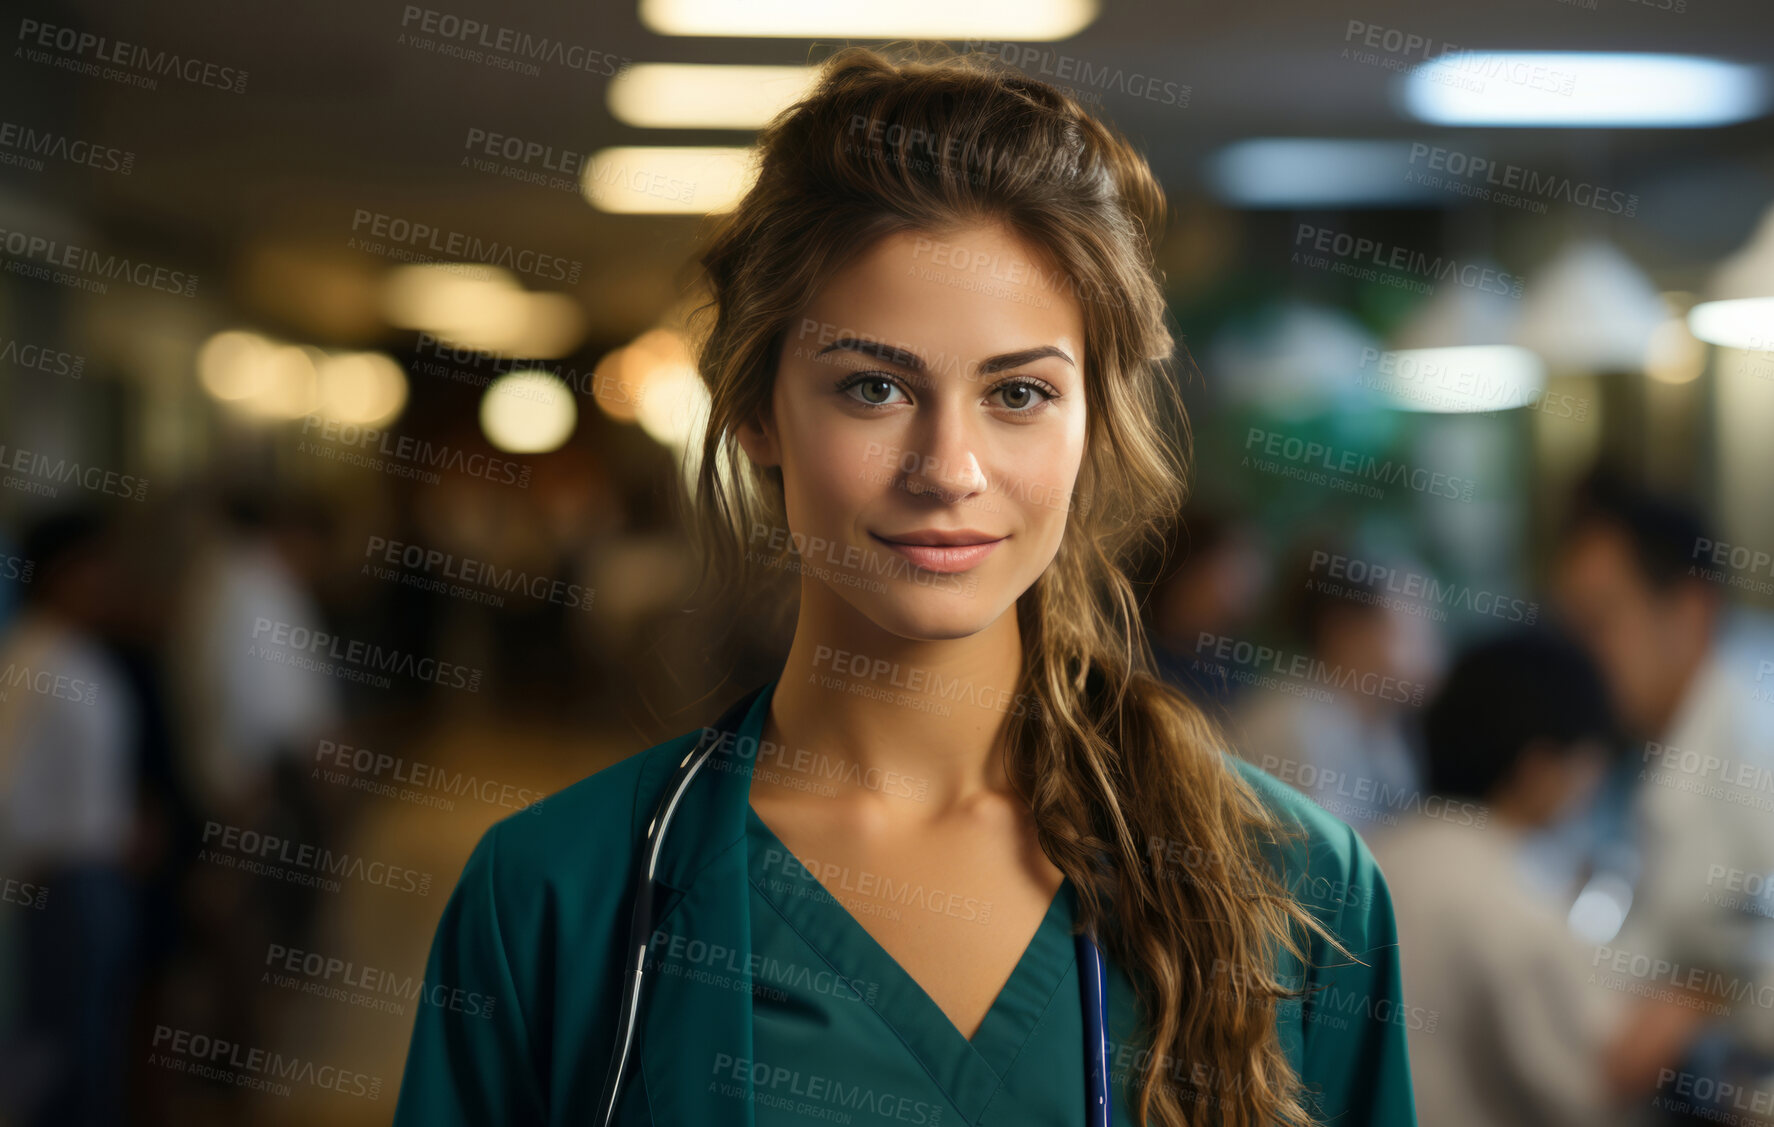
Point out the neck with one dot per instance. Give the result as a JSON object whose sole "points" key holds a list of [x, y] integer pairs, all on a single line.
{"points": [[864, 709], [1670, 708]]}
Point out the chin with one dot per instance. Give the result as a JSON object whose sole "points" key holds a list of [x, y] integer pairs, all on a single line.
{"points": [[923, 615]]}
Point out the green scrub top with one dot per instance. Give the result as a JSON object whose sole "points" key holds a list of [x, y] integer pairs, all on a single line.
{"points": [[518, 1010], [846, 1035]]}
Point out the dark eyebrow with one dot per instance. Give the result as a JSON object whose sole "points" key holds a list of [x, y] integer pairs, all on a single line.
{"points": [[913, 363]]}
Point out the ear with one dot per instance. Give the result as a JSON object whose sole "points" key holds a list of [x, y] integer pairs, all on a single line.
{"points": [[757, 437]]}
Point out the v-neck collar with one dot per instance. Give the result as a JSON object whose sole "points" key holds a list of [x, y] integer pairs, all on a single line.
{"points": [[969, 1072], [705, 893]]}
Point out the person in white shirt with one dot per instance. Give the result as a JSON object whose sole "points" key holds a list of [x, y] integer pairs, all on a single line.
{"points": [[68, 833], [1636, 584], [1507, 1027]]}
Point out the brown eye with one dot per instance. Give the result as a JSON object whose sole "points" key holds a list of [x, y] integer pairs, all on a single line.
{"points": [[875, 391], [871, 390], [1020, 396]]}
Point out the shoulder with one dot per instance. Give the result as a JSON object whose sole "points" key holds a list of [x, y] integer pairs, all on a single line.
{"points": [[572, 841], [1322, 860]]}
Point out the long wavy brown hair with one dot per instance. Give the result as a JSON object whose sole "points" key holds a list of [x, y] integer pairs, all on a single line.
{"points": [[1122, 772]]}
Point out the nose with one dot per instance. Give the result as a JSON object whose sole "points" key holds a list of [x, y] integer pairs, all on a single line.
{"points": [[943, 457]]}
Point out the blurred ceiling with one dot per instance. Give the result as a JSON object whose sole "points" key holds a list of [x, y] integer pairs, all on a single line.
{"points": [[339, 116]]}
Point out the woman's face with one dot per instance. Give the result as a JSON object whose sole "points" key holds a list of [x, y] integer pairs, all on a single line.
{"points": [[928, 415]]}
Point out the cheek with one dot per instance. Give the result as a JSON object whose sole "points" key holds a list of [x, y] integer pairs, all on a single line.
{"points": [[827, 470], [1040, 481]]}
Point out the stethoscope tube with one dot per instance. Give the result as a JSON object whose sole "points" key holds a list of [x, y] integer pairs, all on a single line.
{"points": [[640, 934], [1092, 982], [640, 922]]}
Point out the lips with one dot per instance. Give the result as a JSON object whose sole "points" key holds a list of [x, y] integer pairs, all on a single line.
{"points": [[942, 551]]}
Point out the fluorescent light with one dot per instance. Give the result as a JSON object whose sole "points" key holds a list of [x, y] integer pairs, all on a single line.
{"points": [[1741, 312], [1023, 20], [484, 309], [652, 381], [1744, 322], [366, 388], [674, 409], [699, 96], [1582, 88], [528, 412], [666, 179], [234, 364], [1313, 172], [292, 386], [1454, 380]]}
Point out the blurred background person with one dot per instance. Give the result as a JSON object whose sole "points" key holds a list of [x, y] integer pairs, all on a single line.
{"points": [[1506, 1029], [1339, 733], [1691, 796], [68, 829], [250, 720], [1212, 584]]}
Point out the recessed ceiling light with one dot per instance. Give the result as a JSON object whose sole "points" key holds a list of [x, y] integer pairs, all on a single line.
{"points": [[704, 96], [1020, 20], [1582, 88]]}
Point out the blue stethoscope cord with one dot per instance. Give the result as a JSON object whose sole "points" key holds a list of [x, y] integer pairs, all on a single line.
{"points": [[1092, 983]]}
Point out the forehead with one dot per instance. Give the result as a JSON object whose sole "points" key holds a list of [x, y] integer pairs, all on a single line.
{"points": [[962, 294]]}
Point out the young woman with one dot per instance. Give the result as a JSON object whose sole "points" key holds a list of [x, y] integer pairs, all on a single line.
{"points": [[937, 360]]}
